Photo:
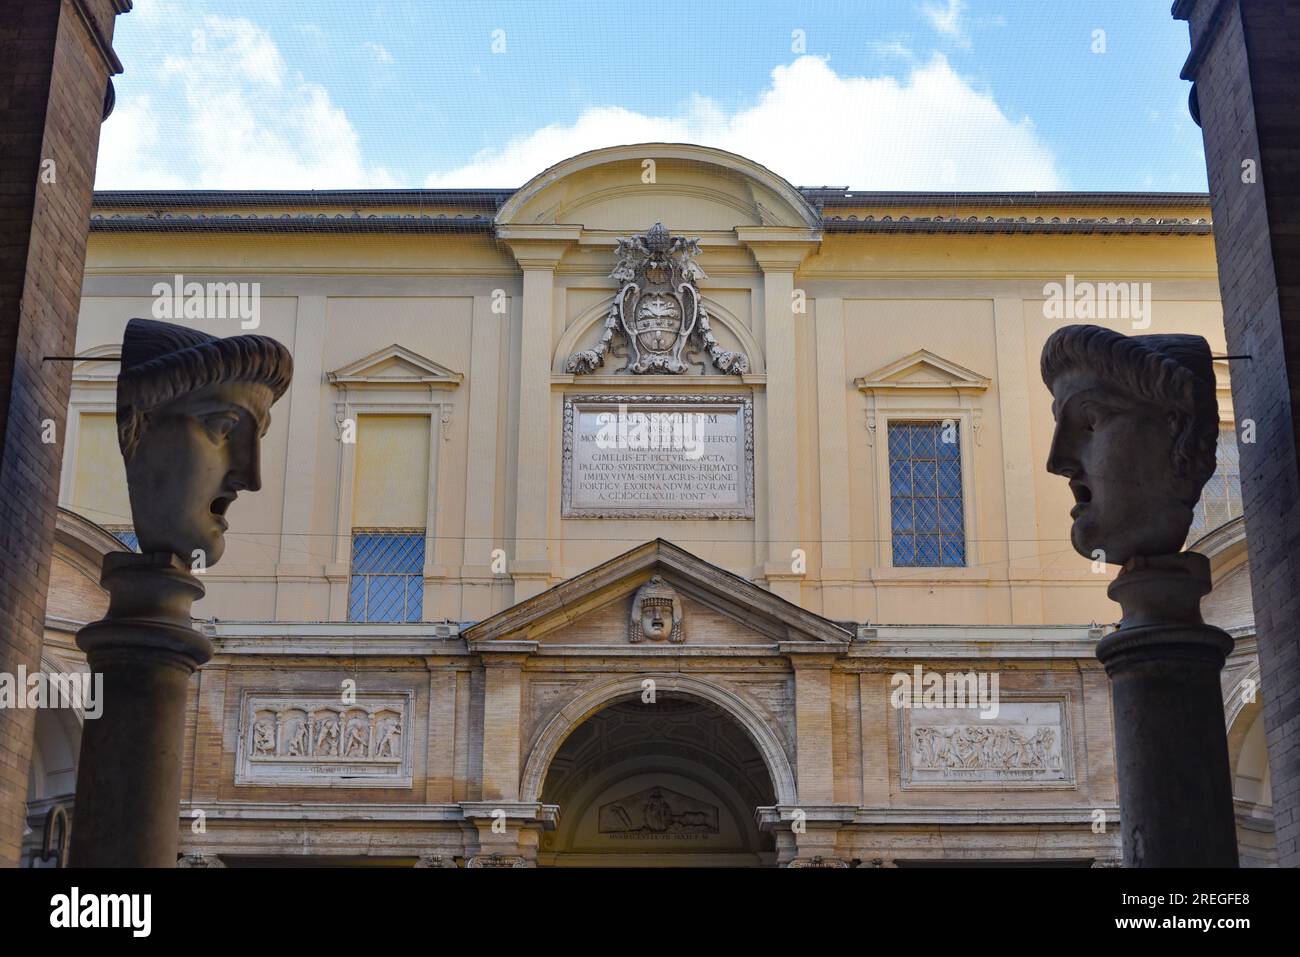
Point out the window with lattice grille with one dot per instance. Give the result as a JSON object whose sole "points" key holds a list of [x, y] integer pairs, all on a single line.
{"points": [[927, 525], [387, 582]]}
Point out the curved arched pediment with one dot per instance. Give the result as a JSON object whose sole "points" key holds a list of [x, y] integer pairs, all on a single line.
{"points": [[694, 188]]}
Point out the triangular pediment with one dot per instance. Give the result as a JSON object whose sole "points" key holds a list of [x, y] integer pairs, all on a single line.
{"points": [[922, 369], [718, 607], [395, 365]]}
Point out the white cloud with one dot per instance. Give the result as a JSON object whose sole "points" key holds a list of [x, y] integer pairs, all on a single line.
{"points": [[128, 146], [893, 48], [378, 51], [229, 114], [814, 127], [947, 19]]}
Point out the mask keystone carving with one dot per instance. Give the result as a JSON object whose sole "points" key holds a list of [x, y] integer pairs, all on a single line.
{"points": [[656, 613]]}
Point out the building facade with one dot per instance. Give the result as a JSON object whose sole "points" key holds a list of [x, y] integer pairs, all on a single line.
{"points": [[656, 512]]}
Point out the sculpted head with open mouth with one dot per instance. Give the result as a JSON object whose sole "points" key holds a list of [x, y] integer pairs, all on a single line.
{"points": [[1136, 425], [191, 413]]}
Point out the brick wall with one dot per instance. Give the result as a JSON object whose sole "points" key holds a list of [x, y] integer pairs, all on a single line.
{"points": [[53, 75], [1246, 63]]}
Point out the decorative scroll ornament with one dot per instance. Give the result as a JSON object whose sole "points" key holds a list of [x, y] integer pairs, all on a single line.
{"points": [[658, 310], [656, 613]]}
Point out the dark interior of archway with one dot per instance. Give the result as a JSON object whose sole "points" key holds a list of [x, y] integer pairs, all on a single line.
{"points": [[672, 727]]}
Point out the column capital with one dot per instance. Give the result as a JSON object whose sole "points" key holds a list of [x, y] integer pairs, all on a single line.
{"points": [[485, 812], [779, 248], [541, 246], [812, 655], [503, 652]]}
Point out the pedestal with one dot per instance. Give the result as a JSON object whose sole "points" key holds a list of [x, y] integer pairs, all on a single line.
{"points": [[1171, 746], [127, 811]]}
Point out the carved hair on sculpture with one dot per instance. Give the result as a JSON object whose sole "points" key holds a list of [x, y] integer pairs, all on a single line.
{"points": [[1137, 419], [191, 411]]}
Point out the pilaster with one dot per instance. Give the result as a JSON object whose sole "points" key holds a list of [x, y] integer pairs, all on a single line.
{"points": [[779, 251], [538, 250]]}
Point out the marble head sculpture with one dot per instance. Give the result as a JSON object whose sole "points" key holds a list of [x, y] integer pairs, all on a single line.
{"points": [[191, 413], [1137, 420]]}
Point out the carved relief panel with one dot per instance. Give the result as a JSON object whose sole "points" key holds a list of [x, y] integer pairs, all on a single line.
{"points": [[317, 740], [658, 813], [1027, 743]]}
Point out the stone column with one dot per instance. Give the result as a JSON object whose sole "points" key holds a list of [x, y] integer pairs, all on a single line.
{"points": [[129, 773], [1171, 747], [538, 251]]}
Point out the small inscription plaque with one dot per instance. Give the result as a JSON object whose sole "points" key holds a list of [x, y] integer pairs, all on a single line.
{"points": [[650, 456]]}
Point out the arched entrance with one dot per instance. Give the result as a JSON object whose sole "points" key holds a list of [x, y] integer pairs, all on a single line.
{"points": [[669, 783]]}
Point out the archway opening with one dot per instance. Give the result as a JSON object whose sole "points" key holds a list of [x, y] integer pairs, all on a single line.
{"points": [[672, 783], [1251, 788]]}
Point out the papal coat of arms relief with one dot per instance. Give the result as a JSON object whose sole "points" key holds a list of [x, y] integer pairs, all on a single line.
{"points": [[658, 311]]}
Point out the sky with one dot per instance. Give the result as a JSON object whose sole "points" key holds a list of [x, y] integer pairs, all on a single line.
{"points": [[865, 94]]}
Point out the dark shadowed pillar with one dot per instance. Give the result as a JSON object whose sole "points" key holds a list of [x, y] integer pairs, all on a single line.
{"points": [[1245, 64], [1171, 750], [55, 61], [129, 776]]}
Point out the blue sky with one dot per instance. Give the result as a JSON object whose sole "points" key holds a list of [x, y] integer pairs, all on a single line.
{"points": [[872, 94]]}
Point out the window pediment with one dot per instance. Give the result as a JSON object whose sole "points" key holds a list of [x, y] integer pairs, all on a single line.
{"points": [[395, 366], [922, 370], [97, 365]]}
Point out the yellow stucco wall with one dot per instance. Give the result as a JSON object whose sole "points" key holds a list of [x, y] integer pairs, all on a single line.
{"points": [[972, 300]]}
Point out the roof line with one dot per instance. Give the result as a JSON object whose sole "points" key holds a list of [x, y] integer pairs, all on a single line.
{"points": [[849, 197], [133, 198], [298, 224], [1089, 225], [493, 198]]}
